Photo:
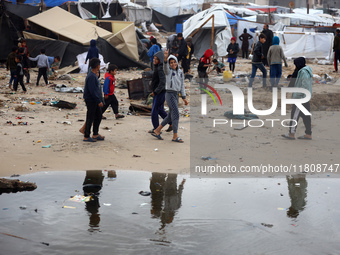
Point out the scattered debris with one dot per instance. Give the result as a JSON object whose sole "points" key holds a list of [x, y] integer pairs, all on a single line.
{"points": [[7, 186], [208, 158], [144, 193]]}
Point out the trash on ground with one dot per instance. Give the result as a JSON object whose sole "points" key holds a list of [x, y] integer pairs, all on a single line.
{"points": [[208, 158], [144, 193]]}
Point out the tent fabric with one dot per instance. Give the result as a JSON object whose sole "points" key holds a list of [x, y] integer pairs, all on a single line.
{"points": [[137, 13], [202, 39], [123, 35], [169, 23], [67, 51], [22, 10], [233, 18], [48, 3], [305, 19], [173, 8], [115, 10], [6, 42], [310, 45], [114, 56], [70, 26], [238, 10]]}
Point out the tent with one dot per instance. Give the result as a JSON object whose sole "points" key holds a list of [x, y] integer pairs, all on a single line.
{"points": [[123, 38], [68, 52], [200, 27], [69, 27], [305, 19], [48, 3], [97, 9], [168, 23], [233, 18], [137, 13], [173, 8], [237, 10]]}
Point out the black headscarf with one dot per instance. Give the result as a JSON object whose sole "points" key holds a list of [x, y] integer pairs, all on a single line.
{"points": [[299, 64]]}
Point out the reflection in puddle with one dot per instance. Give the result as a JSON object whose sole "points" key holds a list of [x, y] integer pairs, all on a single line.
{"points": [[297, 187], [182, 215]]}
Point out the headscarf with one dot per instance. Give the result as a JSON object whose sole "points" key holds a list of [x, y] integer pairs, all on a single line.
{"points": [[276, 40], [233, 39], [206, 57], [299, 64], [93, 51], [245, 30]]}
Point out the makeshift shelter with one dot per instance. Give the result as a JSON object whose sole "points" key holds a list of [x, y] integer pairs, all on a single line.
{"points": [[237, 10], [232, 18], [123, 38], [173, 8], [137, 13], [168, 23], [210, 29], [48, 3], [69, 27], [305, 19], [309, 45], [99, 10], [68, 52]]}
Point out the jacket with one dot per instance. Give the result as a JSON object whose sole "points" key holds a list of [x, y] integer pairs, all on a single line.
{"points": [[182, 49], [109, 84], [158, 77], [304, 80], [42, 61], [336, 45], [92, 90], [275, 53], [93, 51], [154, 48], [174, 78], [204, 60], [11, 64], [19, 70], [235, 49], [258, 53]]}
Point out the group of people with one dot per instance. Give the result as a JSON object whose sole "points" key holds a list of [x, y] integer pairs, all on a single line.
{"points": [[19, 63]]}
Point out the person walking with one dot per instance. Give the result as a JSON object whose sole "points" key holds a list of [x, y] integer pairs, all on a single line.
{"points": [[336, 49], [304, 80], [266, 45], [257, 62]]}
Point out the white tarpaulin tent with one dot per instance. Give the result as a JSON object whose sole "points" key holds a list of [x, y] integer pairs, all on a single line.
{"points": [[309, 45], [137, 13], [202, 39], [173, 8], [237, 10], [305, 19]]}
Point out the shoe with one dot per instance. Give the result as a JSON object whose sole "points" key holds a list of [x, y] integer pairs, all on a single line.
{"points": [[288, 137], [99, 138], [169, 129], [304, 138], [120, 116], [90, 140]]}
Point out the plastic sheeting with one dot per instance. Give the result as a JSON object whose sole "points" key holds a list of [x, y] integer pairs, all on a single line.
{"points": [[310, 45], [49, 3], [84, 68], [238, 10], [169, 23], [137, 13], [172, 8], [305, 19], [202, 39]]}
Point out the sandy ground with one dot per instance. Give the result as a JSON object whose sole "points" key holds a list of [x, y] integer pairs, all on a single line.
{"points": [[128, 145]]}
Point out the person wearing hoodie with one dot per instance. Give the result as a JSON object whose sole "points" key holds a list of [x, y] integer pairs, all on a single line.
{"points": [[109, 89], [174, 85], [257, 62], [336, 49], [232, 50], [182, 49], [158, 91], [304, 80], [274, 58], [94, 103], [205, 62], [93, 51], [153, 49]]}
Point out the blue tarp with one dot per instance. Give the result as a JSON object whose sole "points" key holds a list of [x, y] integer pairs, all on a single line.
{"points": [[49, 3], [233, 19]]}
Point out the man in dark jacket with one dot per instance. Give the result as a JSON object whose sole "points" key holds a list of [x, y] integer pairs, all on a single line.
{"points": [[11, 65], [336, 49], [158, 90], [256, 62], [94, 102], [269, 41], [182, 48]]}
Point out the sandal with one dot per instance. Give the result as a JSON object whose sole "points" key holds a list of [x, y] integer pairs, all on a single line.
{"points": [[157, 136], [178, 140], [89, 140], [152, 131], [99, 138]]}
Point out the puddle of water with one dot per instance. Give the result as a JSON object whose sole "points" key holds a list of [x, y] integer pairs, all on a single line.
{"points": [[182, 215]]}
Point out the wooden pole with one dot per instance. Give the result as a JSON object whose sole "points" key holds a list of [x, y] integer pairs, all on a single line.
{"points": [[270, 19], [69, 6], [212, 31], [195, 32]]}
